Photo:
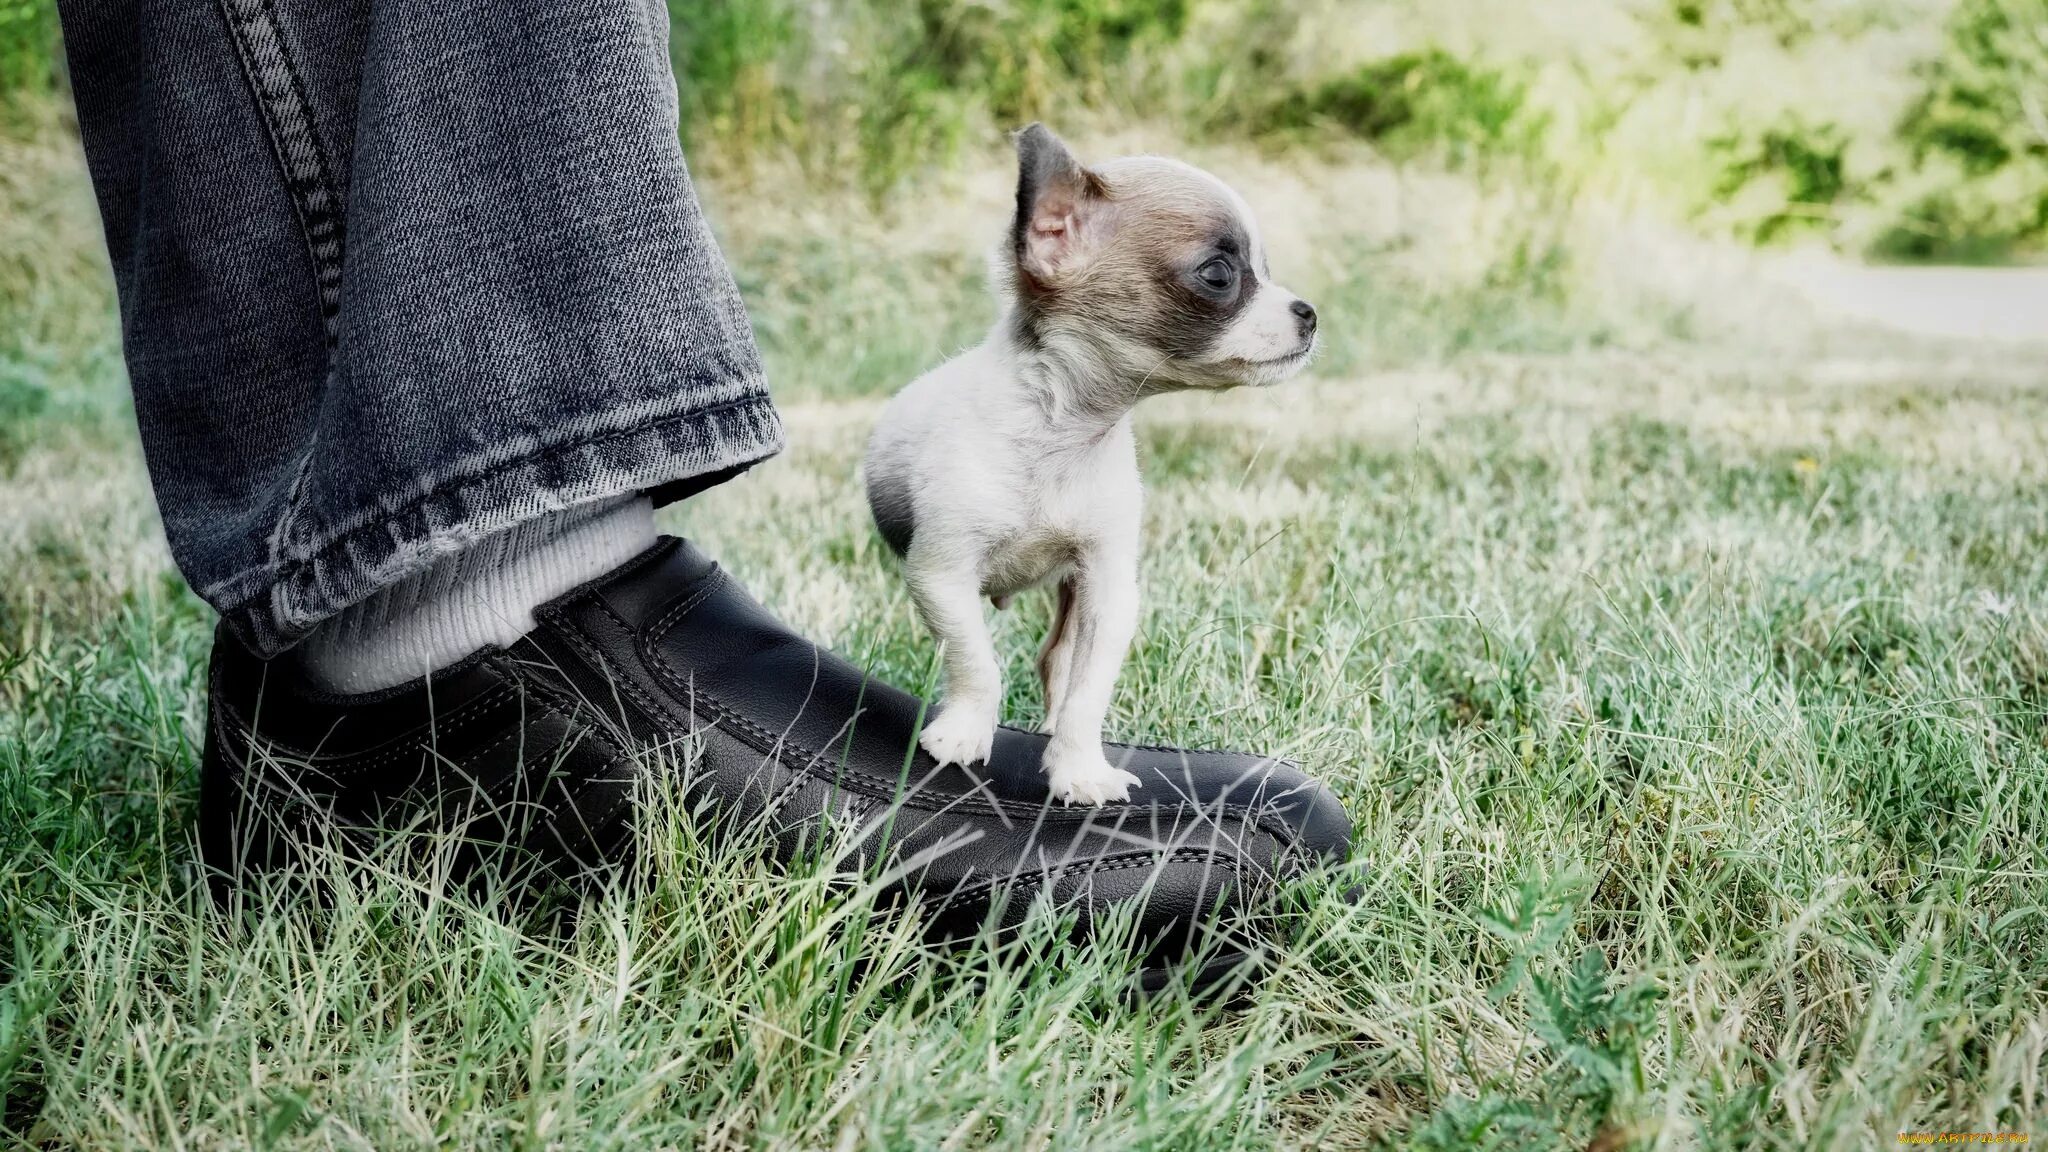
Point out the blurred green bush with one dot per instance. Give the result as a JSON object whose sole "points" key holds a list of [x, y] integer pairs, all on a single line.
{"points": [[874, 89], [1418, 103], [1978, 134], [1960, 174], [29, 49], [1808, 164]]}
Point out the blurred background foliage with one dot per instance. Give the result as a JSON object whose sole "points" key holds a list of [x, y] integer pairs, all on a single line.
{"points": [[28, 48], [1896, 129], [1914, 129]]}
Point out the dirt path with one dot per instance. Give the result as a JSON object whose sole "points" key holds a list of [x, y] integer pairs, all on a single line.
{"points": [[2004, 304]]}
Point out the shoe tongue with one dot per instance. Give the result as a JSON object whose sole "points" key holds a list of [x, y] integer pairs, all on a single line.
{"points": [[684, 560], [643, 584]]}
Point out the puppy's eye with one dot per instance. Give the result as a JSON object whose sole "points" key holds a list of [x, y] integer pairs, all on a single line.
{"points": [[1217, 273]]}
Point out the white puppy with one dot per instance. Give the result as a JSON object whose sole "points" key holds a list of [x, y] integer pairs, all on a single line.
{"points": [[1013, 464]]}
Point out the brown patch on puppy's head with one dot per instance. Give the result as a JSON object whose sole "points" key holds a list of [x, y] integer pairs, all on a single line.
{"points": [[1150, 269]]}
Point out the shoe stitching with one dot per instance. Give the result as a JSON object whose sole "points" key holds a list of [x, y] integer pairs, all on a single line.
{"points": [[884, 789], [589, 825], [246, 735], [707, 584], [717, 578], [339, 768], [499, 794], [296, 811], [1261, 815], [614, 753], [292, 811], [553, 705], [1090, 867], [587, 650]]}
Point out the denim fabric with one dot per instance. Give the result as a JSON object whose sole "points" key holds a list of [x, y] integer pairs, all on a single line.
{"points": [[396, 275]]}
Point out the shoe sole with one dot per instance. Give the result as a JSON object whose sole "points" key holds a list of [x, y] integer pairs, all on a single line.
{"points": [[1206, 980]]}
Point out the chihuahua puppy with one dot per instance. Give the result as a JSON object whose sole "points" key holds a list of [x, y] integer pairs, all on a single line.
{"points": [[1013, 464]]}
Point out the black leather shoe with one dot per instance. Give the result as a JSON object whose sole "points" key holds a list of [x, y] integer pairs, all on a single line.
{"points": [[537, 748]]}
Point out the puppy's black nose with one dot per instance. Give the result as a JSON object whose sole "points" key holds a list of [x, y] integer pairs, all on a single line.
{"points": [[1305, 316]]}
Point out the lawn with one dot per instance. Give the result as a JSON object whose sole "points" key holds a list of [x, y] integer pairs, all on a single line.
{"points": [[1683, 663]]}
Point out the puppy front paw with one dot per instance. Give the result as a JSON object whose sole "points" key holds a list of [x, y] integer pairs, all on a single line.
{"points": [[960, 734], [1082, 775]]}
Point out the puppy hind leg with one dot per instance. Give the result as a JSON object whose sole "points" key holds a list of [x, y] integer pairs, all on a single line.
{"points": [[1101, 622], [1056, 656], [964, 730]]}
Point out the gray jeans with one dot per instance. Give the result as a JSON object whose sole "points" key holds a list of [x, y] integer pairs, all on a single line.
{"points": [[399, 274]]}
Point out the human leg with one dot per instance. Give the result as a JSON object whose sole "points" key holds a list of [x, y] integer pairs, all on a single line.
{"points": [[397, 276]]}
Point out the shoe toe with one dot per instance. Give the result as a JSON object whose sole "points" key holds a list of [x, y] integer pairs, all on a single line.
{"points": [[1266, 789]]}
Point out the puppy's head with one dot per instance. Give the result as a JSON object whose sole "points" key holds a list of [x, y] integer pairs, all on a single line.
{"points": [[1152, 265]]}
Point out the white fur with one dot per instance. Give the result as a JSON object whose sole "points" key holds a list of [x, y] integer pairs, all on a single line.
{"points": [[1010, 495], [1264, 338]]}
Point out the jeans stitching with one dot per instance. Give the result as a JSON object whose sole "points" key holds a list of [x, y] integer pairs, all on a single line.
{"points": [[295, 140], [280, 92], [316, 553], [756, 440], [275, 571]]}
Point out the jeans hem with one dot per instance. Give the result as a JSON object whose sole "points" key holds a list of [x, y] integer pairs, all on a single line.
{"points": [[300, 592]]}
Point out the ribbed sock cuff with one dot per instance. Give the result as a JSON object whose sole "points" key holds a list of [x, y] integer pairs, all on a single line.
{"points": [[484, 595]]}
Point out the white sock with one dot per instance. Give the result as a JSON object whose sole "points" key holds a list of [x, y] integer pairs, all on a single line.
{"points": [[482, 595]]}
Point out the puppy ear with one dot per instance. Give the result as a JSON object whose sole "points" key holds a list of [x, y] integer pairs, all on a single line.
{"points": [[1063, 210]]}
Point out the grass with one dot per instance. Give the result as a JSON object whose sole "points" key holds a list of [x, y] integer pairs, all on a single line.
{"points": [[1685, 671], [58, 347]]}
